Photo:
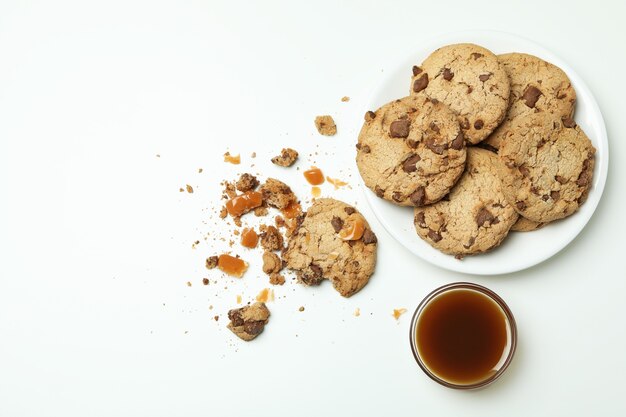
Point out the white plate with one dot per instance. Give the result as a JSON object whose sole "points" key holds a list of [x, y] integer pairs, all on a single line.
{"points": [[519, 250]]}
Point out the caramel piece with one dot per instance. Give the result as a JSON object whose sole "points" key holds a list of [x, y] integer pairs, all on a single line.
{"points": [[398, 312], [292, 211], [264, 295], [352, 230], [232, 266], [233, 159], [243, 203], [316, 192], [336, 182], [314, 176], [249, 238]]}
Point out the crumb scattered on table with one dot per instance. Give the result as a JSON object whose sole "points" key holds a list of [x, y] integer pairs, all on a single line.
{"points": [[326, 125]]}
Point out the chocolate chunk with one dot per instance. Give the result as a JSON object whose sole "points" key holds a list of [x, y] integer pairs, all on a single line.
{"points": [[411, 143], [520, 205], [253, 328], [435, 147], [409, 164], [369, 116], [555, 195], [470, 242], [433, 126], [568, 122], [545, 197], [399, 128], [379, 191], [457, 143], [476, 55], [420, 219], [397, 197], [349, 210], [469, 89], [337, 224], [418, 196], [447, 74], [531, 95], [483, 216], [369, 237], [421, 83], [312, 276], [235, 317], [525, 171], [434, 236], [416, 70], [365, 149], [478, 124], [583, 178], [465, 124], [560, 179], [484, 77]]}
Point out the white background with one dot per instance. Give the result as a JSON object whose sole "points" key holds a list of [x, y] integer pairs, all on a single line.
{"points": [[96, 318]]}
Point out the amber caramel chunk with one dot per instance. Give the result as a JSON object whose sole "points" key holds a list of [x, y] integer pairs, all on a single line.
{"points": [[292, 211], [398, 312], [316, 192], [230, 265], [233, 159], [249, 238], [352, 230], [243, 203], [314, 176]]}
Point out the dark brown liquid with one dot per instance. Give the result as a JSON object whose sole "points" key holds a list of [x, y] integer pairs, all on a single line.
{"points": [[462, 336]]}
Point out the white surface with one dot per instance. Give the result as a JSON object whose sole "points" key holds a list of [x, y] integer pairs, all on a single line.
{"points": [[537, 246], [95, 239]]}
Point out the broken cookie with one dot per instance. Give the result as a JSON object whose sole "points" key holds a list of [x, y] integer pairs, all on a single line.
{"points": [[248, 322], [286, 158], [325, 125]]}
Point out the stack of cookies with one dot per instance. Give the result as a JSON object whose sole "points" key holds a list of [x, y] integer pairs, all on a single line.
{"points": [[483, 145]]}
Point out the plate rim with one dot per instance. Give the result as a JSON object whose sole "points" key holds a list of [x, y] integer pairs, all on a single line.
{"points": [[466, 36]]}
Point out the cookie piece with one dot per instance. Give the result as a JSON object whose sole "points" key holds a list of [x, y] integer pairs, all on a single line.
{"points": [[325, 125], [546, 166], [246, 182], [411, 151], [469, 79], [536, 86], [524, 225], [333, 241], [475, 217], [248, 322], [277, 194], [286, 158]]}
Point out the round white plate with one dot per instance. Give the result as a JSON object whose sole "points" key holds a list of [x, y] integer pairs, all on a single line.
{"points": [[519, 250]]}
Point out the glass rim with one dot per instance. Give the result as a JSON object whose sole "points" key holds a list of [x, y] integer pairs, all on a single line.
{"points": [[491, 295]]}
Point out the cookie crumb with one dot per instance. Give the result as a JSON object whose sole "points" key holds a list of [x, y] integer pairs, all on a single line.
{"points": [[345, 99], [200, 170], [158, 155], [182, 190], [216, 318], [398, 312], [277, 279], [189, 188], [249, 321], [357, 312], [246, 182], [205, 281], [272, 264], [301, 308], [271, 239], [253, 155], [211, 262], [286, 158], [326, 125], [232, 159], [238, 299]]}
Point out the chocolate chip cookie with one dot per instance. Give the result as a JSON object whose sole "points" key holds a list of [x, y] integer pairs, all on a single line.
{"points": [[333, 241], [536, 86], [475, 217], [411, 151], [524, 225], [469, 79], [546, 166], [248, 322]]}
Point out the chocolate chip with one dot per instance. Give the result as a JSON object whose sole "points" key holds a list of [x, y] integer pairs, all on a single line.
{"points": [[434, 127], [434, 100], [312, 275], [349, 210], [253, 327], [560, 179], [484, 77], [379, 191], [337, 224], [478, 124], [411, 143], [524, 171], [409, 164], [470, 242], [483, 216], [369, 116], [434, 236], [470, 89], [397, 197], [399, 128], [366, 149], [369, 237], [421, 83], [465, 124], [435, 147], [418, 196], [555, 195], [531, 95], [520, 205], [476, 55], [235, 317], [420, 219], [447, 74], [457, 143], [545, 197], [583, 179], [416, 70], [568, 122]]}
